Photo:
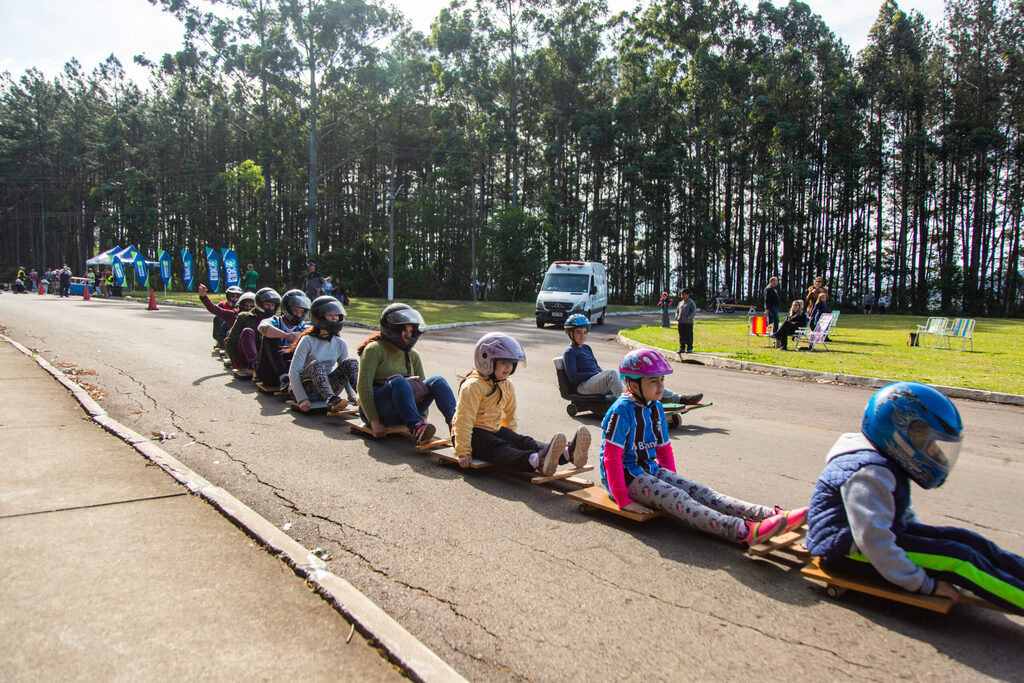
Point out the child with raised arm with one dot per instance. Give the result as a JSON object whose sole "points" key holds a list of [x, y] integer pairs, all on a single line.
{"points": [[485, 416], [639, 471], [861, 521]]}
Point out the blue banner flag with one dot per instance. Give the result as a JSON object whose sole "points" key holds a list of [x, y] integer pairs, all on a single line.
{"points": [[231, 276], [119, 279], [165, 267], [141, 271], [187, 275], [213, 269]]}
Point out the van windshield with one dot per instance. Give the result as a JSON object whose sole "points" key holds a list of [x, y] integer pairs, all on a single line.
{"points": [[565, 282]]}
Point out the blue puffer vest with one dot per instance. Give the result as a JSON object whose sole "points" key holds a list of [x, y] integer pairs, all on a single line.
{"points": [[828, 529]]}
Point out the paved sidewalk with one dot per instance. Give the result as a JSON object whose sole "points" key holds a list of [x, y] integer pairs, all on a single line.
{"points": [[110, 569]]}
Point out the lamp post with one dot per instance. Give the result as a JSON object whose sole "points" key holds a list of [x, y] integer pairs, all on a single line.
{"points": [[391, 242]]}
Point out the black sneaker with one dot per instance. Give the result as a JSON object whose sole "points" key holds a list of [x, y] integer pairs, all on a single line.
{"points": [[335, 403], [691, 400]]}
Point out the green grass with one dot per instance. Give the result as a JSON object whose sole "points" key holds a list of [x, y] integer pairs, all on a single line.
{"points": [[367, 311], [873, 346]]}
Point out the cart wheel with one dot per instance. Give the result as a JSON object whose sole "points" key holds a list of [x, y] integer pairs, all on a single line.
{"points": [[584, 508], [675, 420], [834, 591], [572, 409]]}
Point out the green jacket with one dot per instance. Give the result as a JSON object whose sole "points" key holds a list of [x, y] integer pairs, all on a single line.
{"points": [[381, 359]]}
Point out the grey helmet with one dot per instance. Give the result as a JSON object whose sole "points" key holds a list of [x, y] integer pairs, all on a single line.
{"points": [[246, 298], [496, 346]]}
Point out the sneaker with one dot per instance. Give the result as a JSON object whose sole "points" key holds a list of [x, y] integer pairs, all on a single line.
{"points": [[795, 518], [576, 450], [423, 432], [335, 403], [549, 455], [758, 532], [691, 400]]}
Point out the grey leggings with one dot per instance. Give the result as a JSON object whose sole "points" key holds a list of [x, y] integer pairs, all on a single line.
{"points": [[319, 383], [696, 504]]}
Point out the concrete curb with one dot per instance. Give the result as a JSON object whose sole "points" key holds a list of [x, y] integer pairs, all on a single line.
{"points": [[819, 376], [413, 657]]}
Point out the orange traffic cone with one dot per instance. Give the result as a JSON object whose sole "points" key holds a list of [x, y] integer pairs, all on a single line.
{"points": [[86, 297], [152, 301]]}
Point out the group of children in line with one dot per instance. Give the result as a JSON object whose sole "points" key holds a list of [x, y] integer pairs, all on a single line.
{"points": [[859, 520]]}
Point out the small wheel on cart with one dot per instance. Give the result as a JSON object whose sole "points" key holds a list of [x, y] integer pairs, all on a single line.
{"points": [[584, 508], [675, 420], [572, 409], [834, 591]]}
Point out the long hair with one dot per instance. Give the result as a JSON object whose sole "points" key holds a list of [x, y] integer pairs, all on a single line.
{"points": [[309, 330], [376, 336]]}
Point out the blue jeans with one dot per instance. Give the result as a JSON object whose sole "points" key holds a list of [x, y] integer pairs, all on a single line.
{"points": [[395, 404], [773, 318]]}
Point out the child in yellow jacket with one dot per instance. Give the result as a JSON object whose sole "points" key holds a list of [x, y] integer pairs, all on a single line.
{"points": [[485, 416]]}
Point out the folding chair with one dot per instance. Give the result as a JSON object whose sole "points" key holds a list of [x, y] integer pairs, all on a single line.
{"points": [[757, 326]]}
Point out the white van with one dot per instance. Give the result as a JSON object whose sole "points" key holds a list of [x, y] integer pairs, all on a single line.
{"points": [[573, 287]]}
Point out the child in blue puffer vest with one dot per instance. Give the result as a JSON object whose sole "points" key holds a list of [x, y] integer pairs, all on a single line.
{"points": [[860, 519]]}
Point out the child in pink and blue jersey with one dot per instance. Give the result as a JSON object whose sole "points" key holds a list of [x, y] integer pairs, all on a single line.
{"points": [[639, 471]]}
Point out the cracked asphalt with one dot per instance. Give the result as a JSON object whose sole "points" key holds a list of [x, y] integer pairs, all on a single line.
{"points": [[507, 581]]}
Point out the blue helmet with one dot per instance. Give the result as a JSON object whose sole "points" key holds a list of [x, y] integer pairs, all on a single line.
{"points": [[576, 320], [917, 427]]}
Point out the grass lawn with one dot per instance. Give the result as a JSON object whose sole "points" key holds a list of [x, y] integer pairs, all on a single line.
{"points": [[873, 346], [367, 311]]}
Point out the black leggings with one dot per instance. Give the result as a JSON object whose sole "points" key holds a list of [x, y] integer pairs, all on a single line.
{"points": [[505, 448]]}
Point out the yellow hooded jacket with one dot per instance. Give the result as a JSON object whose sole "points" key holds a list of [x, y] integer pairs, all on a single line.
{"points": [[485, 404]]}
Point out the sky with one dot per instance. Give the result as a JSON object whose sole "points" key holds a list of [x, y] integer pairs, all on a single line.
{"points": [[47, 33]]}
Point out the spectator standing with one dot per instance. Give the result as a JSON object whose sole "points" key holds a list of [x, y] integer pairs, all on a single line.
{"points": [[328, 286], [771, 303], [685, 314], [664, 303], [33, 278], [339, 291], [65, 281], [883, 303], [314, 283], [813, 291], [251, 279], [869, 303]]}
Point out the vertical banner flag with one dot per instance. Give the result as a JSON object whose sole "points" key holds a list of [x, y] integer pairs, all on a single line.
{"points": [[141, 271], [213, 269], [231, 276], [119, 279], [165, 267], [187, 275]]}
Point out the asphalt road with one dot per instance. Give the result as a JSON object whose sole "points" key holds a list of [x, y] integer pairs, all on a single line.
{"points": [[506, 580]]}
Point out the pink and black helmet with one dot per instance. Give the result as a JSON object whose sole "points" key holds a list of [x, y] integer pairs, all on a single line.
{"points": [[643, 363]]}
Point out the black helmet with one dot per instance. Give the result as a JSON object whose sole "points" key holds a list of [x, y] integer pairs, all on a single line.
{"points": [[322, 305], [263, 296], [392, 321], [293, 297], [232, 293]]}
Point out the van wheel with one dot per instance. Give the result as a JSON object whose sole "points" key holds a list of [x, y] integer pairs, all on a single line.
{"points": [[604, 311], [540, 322]]}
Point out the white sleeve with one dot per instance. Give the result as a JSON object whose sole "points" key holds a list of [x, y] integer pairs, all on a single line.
{"points": [[870, 509], [298, 363]]}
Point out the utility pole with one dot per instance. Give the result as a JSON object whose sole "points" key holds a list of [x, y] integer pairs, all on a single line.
{"points": [[391, 230], [472, 217]]}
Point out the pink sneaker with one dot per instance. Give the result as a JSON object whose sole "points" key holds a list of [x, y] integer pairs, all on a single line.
{"points": [[795, 518], [758, 532], [423, 432]]}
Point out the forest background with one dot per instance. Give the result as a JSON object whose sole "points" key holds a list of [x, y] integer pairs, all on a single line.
{"points": [[690, 143]]}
